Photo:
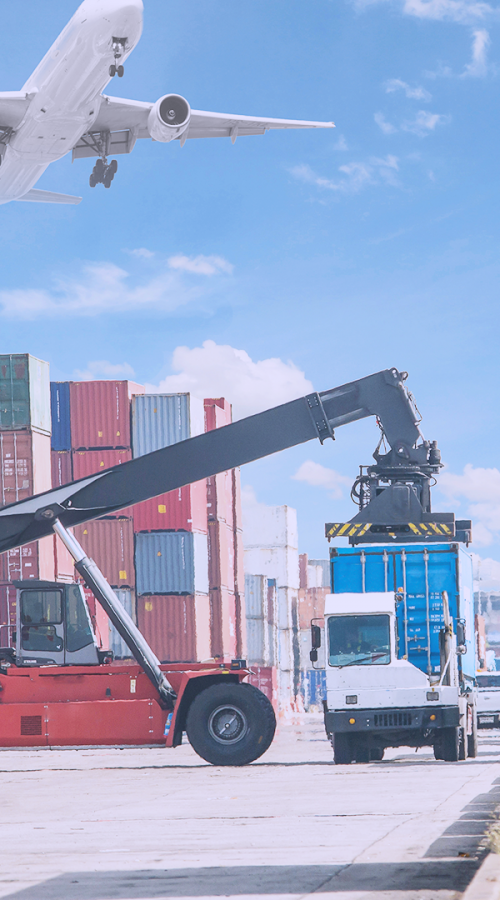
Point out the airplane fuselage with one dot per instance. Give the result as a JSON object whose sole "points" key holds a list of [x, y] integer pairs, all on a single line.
{"points": [[65, 90]]}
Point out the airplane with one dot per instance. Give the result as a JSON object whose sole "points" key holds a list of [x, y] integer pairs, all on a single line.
{"points": [[62, 109]]}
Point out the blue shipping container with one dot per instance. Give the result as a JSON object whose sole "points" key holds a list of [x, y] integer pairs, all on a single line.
{"points": [[313, 687], [421, 574], [60, 412], [171, 562], [159, 420]]}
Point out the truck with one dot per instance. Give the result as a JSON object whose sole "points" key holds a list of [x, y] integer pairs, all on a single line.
{"points": [[58, 688], [488, 700], [400, 651]]}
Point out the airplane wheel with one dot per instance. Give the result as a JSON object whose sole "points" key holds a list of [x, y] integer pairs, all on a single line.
{"points": [[99, 169], [113, 166], [120, 71], [112, 71], [92, 180]]}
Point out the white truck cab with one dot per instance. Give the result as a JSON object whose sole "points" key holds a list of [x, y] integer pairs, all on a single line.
{"points": [[488, 700], [374, 699]]}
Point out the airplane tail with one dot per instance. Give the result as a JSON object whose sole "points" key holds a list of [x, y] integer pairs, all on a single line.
{"points": [[35, 196]]}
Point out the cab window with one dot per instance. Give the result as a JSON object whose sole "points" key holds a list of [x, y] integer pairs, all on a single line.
{"points": [[78, 630], [359, 640], [41, 607], [42, 638]]}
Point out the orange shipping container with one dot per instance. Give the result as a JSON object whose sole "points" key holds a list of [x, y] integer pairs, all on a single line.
{"points": [[110, 543]]}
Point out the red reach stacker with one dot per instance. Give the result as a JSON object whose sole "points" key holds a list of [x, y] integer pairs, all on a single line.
{"points": [[57, 688]]}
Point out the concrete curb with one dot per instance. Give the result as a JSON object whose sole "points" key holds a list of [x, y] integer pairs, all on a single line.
{"points": [[486, 882]]}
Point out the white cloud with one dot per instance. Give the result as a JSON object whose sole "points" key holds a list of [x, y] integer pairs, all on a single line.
{"points": [[383, 124], [341, 144], [486, 573], [425, 122], [356, 175], [478, 66], [464, 12], [478, 490], [216, 370], [106, 288], [103, 369], [141, 253], [413, 93], [200, 265], [320, 476]]}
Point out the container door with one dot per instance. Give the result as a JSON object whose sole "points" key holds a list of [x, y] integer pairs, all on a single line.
{"points": [[40, 629]]}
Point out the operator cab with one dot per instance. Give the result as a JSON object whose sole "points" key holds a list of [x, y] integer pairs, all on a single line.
{"points": [[53, 625]]}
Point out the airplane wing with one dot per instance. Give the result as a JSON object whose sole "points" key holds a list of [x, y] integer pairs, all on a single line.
{"points": [[36, 196], [124, 121], [13, 107]]}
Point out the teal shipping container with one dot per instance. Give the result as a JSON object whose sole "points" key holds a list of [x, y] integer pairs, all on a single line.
{"points": [[24, 393], [419, 574]]}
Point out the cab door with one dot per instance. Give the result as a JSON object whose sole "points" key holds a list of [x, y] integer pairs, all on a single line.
{"points": [[40, 626]]}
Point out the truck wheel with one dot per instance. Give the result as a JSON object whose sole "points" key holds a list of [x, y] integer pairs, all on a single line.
{"points": [[462, 743], [376, 754], [450, 744], [472, 738], [342, 749], [230, 724]]}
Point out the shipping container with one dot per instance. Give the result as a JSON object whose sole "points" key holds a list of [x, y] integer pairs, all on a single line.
{"points": [[169, 625], [220, 556], [172, 562], [19, 564], [311, 605], [24, 393], [88, 462], [182, 510], [313, 689], [115, 642], [100, 413], [159, 420], [25, 465], [62, 467], [420, 574], [110, 543], [7, 615], [265, 678], [223, 623], [60, 415]]}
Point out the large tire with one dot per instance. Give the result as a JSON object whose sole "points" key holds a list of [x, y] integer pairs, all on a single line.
{"points": [[230, 724], [450, 744], [376, 754], [342, 749], [463, 743], [472, 738]]}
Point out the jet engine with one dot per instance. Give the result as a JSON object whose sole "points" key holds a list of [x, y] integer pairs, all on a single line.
{"points": [[169, 118]]}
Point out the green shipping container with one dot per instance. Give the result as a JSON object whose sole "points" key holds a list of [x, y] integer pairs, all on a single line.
{"points": [[24, 393]]}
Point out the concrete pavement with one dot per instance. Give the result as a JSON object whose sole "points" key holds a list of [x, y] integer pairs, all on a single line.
{"points": [[129, 824]]}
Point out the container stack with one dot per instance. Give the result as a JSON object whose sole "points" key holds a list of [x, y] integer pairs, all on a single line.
{"points": [[314, 588], [171, 542], [225, 549], [90, 433], [25, 469]]}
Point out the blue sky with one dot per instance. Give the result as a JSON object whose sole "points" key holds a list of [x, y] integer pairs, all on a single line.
{"points": [[294, 259]]}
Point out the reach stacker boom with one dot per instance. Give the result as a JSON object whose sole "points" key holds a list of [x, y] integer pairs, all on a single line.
{"points": [[57, 688]]}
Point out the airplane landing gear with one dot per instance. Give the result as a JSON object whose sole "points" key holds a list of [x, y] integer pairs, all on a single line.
{"points": [[118, 48], [102, 173]]}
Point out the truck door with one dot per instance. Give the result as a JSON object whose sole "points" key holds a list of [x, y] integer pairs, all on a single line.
{"points": [[40, 631], [80, 644]]}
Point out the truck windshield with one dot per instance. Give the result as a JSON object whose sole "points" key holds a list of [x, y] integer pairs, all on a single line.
{"points": [[359, 640], [488, 681]]}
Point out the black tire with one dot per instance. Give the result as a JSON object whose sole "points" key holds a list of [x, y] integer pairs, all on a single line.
{"points": [[99, 169], [92, 181], [462, 744], [120, 71], [342, 749], [472, 738], [112, 71], [361, 751], [450, 744], [376, 754], [113, 166], [230, 724]]}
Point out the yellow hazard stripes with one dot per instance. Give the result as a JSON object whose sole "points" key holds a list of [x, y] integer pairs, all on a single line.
{"points": [[419, 529]]}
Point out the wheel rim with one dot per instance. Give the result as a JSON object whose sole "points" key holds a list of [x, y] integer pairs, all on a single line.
{"points": [[227, 724]]}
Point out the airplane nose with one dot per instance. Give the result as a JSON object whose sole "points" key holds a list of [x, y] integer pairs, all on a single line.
{"points": [[103, 7]]}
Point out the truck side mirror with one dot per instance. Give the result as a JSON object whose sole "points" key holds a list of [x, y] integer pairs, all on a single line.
{"points": [[315, 637], [461, 635], [313, 656]]}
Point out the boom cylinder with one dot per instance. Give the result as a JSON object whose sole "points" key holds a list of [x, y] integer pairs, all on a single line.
{"points": [[138, 646]]}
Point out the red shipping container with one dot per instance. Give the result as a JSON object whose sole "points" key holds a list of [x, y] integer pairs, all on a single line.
{"points": [[100, 413], [19, 564], [182, 510], [7, 614], [265, 678], [223, 623], [220, 556], [88, 462], [62, 467], [25, 466], [220, 500], [169, 625], [110, 543]]}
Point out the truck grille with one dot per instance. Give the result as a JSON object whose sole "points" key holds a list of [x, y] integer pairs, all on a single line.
{"points": [[392, 720]]}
